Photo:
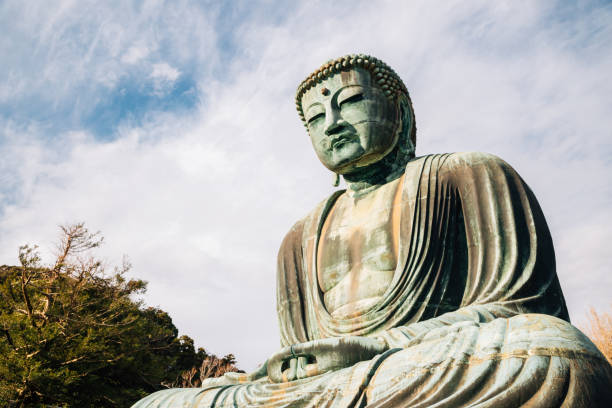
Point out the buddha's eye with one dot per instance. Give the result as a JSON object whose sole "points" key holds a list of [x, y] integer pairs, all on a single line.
{"points": [[352, 99], [315, 118]]}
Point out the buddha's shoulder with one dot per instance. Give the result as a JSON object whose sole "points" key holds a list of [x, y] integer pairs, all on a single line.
{"points": [[309, 222], [449, 163], [458, 159]]}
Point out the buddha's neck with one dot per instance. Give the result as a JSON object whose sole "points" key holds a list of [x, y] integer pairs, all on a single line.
{"points": [[369, 178]]}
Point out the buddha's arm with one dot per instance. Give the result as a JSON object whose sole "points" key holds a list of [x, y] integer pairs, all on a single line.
{"points": [[405, 336], [290, 283], [510, 257]]}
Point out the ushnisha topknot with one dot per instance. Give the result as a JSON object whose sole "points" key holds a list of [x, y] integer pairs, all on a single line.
{"points": [[382, 74]]}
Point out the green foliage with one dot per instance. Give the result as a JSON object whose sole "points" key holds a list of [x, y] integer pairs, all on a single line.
{"points": [[74, 335]]}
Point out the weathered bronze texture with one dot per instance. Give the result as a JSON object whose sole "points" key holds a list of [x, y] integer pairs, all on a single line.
{"points": [[429, 282]]}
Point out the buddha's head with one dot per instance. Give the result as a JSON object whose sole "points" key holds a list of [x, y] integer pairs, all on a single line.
{"points": [[357, 112]]}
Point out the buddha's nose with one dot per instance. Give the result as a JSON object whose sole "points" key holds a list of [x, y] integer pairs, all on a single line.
{"points": [[333, 122]]}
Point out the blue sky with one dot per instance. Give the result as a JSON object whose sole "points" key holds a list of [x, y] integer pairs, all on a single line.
{"points": [[170, 127], [100, 101]]}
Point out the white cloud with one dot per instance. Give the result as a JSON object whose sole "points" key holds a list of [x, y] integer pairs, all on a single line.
{"points": [[62, 51], [201, 200], [135, 54], [165, 72], [163, 76]]}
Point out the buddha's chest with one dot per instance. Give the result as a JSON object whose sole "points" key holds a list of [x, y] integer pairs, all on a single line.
{"points": [[357, 253]]}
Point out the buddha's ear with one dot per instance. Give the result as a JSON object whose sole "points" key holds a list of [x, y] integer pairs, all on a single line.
{"points": [[407, 120]]}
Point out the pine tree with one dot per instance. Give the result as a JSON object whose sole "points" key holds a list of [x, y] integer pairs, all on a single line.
{"points": [[74, 334]]}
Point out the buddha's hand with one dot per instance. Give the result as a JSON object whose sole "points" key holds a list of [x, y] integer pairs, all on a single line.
{"points": [[316, 357]]}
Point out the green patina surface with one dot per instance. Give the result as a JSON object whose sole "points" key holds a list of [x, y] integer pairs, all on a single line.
{"points": [[429, 282]]}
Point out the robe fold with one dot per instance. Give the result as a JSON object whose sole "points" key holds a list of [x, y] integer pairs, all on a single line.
{"points": [[474, 315]]}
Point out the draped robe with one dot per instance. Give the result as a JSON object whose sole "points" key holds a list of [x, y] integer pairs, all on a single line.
{"points": [[474, 315]]}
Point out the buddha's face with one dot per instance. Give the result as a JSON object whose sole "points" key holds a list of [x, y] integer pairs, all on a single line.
{"points": [[350, 121]]}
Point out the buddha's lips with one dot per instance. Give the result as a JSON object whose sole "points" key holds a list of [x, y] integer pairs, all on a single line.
{"points": [[340, 140]]}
